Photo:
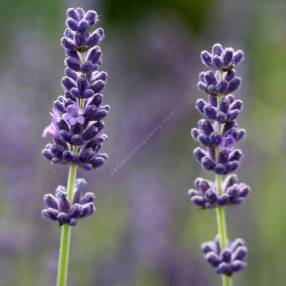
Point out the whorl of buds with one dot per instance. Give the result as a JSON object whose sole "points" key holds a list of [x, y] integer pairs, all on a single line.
{"points": [[225, 261], [59, 208]]}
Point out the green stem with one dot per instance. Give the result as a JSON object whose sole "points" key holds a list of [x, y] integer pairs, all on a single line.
{"points": [[222, 229], [66, 234], [226, 280]]}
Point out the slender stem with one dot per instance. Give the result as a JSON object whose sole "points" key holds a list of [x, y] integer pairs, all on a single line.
{"points": [[226, 280], [66, 234], [222, 229], [81, 103], [220, 213]]}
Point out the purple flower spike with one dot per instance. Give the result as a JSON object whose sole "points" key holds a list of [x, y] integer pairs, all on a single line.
{"points": [[79, 111], [219, 83], [226, 261], [217, 134], [77, 123]]}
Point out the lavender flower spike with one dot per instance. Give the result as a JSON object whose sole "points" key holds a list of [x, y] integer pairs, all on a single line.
{"points": [[217, 133], [77, 118], [76, 127]]}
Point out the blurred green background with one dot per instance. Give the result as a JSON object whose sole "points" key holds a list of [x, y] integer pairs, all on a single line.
{"points": [[145, 231]]}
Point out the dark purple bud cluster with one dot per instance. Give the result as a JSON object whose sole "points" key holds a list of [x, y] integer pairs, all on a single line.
{"points": [[226, 261], [59, 208], [205, 194], [222, 58], [212, 83], [77, 117], [79, 34], [226, 111], [217, 133], [226, 162]]}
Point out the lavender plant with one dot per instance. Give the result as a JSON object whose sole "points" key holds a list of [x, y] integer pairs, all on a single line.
{"points": [[217, 134], [76, 127]]}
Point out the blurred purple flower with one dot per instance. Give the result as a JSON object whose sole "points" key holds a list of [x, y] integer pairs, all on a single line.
{"points": [[52, 129]]}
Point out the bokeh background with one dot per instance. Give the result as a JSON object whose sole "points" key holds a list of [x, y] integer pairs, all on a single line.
{"points": [[145, 231]]}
